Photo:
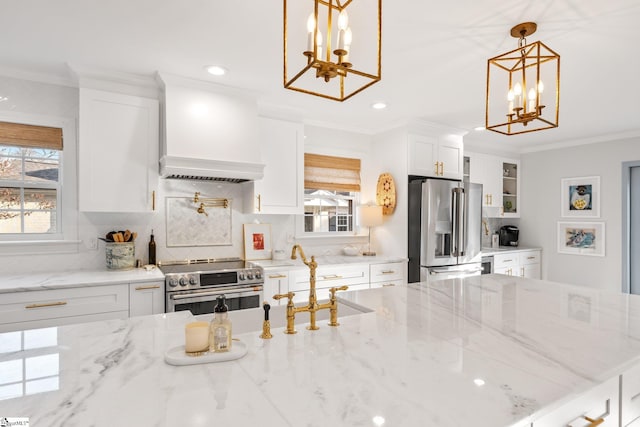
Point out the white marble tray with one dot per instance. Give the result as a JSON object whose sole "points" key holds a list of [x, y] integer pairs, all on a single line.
{"points": [[176, 355]]}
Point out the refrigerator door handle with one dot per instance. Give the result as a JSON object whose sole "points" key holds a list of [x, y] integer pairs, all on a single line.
{"points": [[462, 221], [454, 222], [457, 220]]}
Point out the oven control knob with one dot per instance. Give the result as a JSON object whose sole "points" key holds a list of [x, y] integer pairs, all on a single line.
{"points": [[183, 281], [173, 283], [258, 275], [250, 275], [192, 280], [240, 276]]}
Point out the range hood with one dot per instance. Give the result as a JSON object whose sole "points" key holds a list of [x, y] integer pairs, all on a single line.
{"points": [[209, 170], [210, 132]]}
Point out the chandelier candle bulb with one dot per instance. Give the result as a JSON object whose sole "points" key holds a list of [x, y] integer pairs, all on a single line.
{"points": [[532, 99], [311, 26], [510, 99], [517, 92], [343, 23], [540, 90]]}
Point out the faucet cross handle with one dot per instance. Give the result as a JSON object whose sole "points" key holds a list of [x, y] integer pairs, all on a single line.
{"points": [[333, 305], [336, 289], [289, 295]]}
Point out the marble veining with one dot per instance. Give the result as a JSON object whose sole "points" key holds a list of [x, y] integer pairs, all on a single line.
{"points": [[60, 280], [486, 351]]}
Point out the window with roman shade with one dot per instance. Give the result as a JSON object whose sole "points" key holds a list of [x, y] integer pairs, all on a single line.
{"points": [[331, 189], [30, 165]]}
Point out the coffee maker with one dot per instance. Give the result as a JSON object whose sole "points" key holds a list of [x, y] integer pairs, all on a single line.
{"points": [[508, 235]]}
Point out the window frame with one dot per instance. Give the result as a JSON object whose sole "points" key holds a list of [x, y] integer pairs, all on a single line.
{"points": [[65, 240], [22, 185], [300, 224]]}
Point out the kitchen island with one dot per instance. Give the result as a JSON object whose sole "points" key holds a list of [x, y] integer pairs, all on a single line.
{"points": [[483, 351]]}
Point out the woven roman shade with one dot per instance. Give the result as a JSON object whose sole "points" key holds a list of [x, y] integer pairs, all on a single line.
{"points": [[30, 136], [331, 173]]}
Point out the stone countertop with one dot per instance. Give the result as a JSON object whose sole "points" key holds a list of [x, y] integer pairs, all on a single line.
{"points": [[325, 260], [416, 359], [77, 278], [508, 249]]}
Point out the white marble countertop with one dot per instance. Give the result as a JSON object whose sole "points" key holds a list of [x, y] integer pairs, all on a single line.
{"points": [[76, 278], [508, 249], [324, 260], [415, 360]]}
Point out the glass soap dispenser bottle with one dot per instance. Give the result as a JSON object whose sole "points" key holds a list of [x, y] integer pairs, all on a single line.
{"points": [[220, 329]]}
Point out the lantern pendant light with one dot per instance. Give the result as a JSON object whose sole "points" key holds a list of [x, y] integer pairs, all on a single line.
{"points": [[516, 83], [331, 59]]}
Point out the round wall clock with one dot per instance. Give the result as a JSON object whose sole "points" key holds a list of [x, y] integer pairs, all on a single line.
{"points": [[386, 193]]}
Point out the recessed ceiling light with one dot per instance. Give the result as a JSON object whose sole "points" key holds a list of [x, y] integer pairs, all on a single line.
{"points": [[479, 382], [379, 105], [378, 421], [3, 98], [479, 128], [216, 70]]}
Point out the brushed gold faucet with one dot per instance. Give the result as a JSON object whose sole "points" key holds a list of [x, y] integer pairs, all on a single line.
{"points": [[312, 306]]}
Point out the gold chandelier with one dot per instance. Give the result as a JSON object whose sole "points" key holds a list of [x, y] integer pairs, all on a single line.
{"points": [[521, 77], [331, 58]]}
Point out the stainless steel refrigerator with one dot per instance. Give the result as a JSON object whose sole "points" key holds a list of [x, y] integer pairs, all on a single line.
{"points": [[445, 219]]}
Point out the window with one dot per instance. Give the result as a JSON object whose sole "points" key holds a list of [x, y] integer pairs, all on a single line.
{"points": [[30, 165], [332, 186]]}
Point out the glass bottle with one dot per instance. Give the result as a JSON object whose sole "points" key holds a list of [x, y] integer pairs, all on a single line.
{"points": [[220, 329], [152, 250]]}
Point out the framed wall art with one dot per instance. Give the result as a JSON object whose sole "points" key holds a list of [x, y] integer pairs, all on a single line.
{"points": [[257, 241], [581, 238], [580, 197]]}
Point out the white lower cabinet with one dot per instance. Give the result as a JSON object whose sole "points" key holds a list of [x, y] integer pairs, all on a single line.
{"points": [[522, 264], [356, 276], [630, 397], [146, 298], [275, 282], [55, 307], [599, 403], [386, 274]]}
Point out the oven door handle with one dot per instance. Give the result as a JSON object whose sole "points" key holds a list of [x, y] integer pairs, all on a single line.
{"points": [[211, 293]]}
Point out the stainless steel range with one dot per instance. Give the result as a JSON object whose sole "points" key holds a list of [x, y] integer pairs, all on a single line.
{"points": [[195, 284]]}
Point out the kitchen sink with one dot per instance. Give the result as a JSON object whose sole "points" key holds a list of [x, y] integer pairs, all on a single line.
{"points": [[251, 320]]}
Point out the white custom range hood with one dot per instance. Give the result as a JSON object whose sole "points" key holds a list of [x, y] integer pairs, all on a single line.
{"points": [[209, 170], [209, 132]]}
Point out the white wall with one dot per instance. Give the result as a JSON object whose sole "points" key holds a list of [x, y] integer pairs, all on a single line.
{"points": [[34, 98], [541, 175], [390, 156]]}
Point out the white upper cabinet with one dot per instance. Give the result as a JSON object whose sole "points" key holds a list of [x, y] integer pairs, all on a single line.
{"points": [[118, 152], [440, 156], [500, 179], [484, 169], [281, 191]]}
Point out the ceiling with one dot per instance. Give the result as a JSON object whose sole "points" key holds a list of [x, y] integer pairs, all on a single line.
{"points": [[434, 56]]}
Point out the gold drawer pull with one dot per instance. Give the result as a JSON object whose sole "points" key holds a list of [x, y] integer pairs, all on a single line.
{"points": [[387, 272], [332, 277], [142, 288], [49, 304], [277, 276], [386, 285], [531, 257], [508, 260], [593, 423]]}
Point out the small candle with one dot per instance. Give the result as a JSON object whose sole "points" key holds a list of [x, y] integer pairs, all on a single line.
{"points": [[196, 338]]}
